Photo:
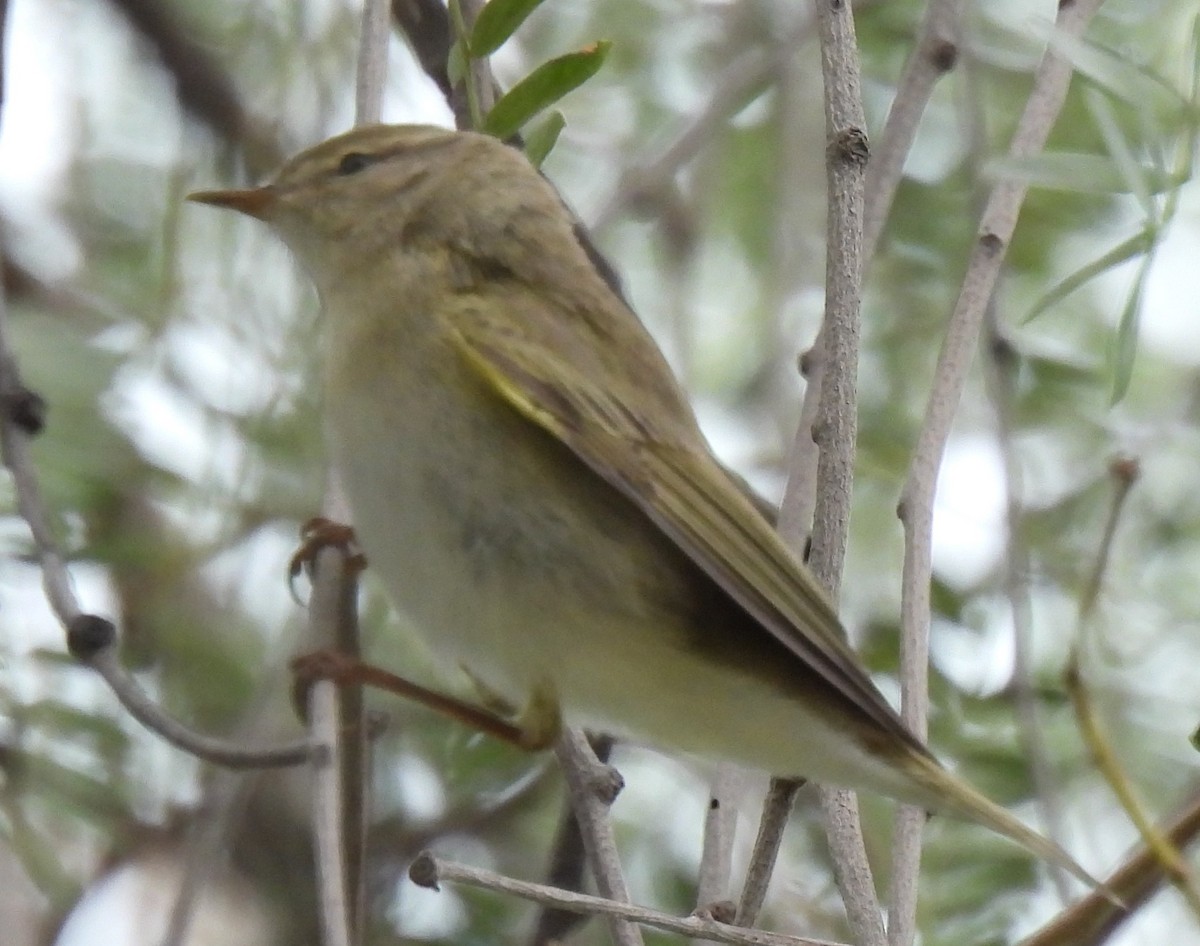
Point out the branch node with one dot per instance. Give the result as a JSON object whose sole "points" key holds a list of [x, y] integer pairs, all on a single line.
{"points": [[1125, 470], [605, 782], [88, 634], [1003, 353], [992, 244], [943, 55], [424, 871], [850, 146], [25, 408], [719, 911]]}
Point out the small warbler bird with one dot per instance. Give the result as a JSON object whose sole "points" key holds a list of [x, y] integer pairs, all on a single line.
{"points": [[529, 482]]}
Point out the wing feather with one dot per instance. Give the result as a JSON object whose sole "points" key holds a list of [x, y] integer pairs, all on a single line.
{"points": [[683, 490]]}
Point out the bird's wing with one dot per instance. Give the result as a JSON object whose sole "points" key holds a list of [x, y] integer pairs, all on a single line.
{"points": [[682, 488]]}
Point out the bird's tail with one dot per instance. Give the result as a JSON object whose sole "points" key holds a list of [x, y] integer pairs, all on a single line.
{"points": [[955, 797]]}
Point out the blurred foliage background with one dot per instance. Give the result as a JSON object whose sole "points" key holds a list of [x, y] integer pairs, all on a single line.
{"points": [[173, 346]]}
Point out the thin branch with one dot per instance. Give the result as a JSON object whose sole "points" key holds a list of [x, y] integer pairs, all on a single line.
{"points": [[720, 826], [208, 842], [1093, 919], [915, 509], [999, 365], [429, 871], [836, 428], [142, 708], [745, 78], [91, 639], [330, 853], [370, 82], [789, 264], [777, 806], [934, 55], [1124, 473], [335, 713], [203, 88], [593, 787], [833, 428], [851, 869], [799, 503], [371, 75], [567, 862], [426, 26]]}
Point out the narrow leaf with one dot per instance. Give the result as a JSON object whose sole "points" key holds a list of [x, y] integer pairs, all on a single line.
{"points": [[1125, 80], [456, 64], [540, 141], [1125, 343], [1135, 176], [1080, 173], [497, 21], [1123, 252], [543, 87]]}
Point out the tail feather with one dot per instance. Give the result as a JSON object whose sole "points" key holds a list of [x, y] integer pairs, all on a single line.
{"points": [[948, 794]]}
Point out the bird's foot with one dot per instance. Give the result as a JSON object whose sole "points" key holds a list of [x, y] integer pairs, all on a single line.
{"points": [[318, 533], [539, 721]]}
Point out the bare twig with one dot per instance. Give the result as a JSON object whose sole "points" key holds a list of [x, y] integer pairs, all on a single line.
{"points": [[789, 263], [851, 868], [335, 713], [323, 711], [776, 808], [372, 62], [92, 639], [151, 715], [1172, 865], [593, 786], [720, 825], [999, 364], [915, 509], [745, 78], [1093, 919], [426, 25], [567, 862], [429, 871], [836, 428], [933, 56], [203, 88]]}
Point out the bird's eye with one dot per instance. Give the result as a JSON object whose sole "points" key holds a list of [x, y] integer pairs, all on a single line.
{"points": [[353, 162]]}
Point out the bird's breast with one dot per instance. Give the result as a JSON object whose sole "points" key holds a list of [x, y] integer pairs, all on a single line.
{"points": [[501, 548]]}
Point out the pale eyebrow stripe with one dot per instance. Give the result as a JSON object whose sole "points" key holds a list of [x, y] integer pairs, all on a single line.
{"points": [[430, 145]]}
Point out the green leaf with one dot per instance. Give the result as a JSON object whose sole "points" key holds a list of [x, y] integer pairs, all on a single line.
{"points": [[1136, 245], [456, 64], [497, 21], [543, 87], [1079, 173], [1137, 181], [1123, 79], [540, 141], [1125, 343]]}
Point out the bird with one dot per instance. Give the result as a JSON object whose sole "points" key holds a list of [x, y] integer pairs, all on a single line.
{"points": [[531, 485]]}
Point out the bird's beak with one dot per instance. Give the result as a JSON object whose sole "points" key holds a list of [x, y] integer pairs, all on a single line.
{"points": [[255, 202]]}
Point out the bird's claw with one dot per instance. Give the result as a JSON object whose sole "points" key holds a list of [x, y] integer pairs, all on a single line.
{"points": [[317, 533]]}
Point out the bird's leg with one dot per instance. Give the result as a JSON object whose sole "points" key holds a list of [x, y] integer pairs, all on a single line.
{"points": [[535, 728], [539, 720]]}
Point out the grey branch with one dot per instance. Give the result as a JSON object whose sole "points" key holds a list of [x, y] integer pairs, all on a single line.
{"points": [[999, 220], [429, 871]]}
